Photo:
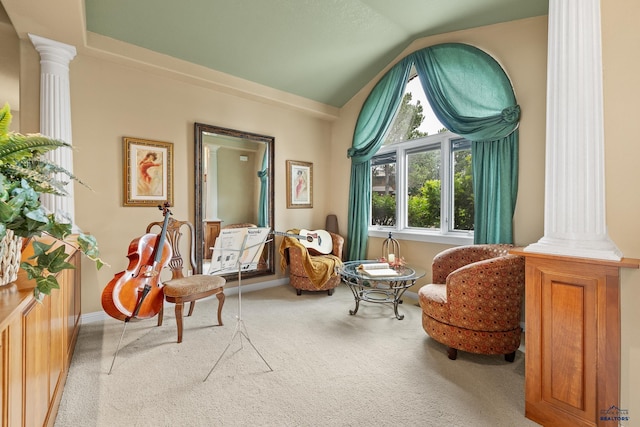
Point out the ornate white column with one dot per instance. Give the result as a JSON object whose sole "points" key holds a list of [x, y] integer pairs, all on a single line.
{"points": [[55, 113], [574, 218]]}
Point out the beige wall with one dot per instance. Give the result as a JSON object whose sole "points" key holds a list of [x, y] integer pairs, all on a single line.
{"points": [[620, 41], [112, 99], [10, 69], [237, 190]]}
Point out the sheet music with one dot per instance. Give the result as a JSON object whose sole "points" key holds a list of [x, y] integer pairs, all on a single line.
{"points": [[253, 247], [230, 242]]}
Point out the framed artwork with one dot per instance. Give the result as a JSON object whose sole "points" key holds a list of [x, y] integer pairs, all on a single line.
{"points": [[148, 172], [299, 184]]}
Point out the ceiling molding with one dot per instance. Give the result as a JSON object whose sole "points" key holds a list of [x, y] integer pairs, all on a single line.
{"points": [[125, 54]]}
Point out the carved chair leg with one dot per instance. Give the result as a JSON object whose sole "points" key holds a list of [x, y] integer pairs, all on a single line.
{"points": [[298, 291], [330, 291], [452, 353], [161, 314], [179, 306], [510, 357], [221, 297], [192, 305]]}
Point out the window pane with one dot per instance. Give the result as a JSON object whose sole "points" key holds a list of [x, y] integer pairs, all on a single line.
{"points": [[462, 185], [405, 125], [383, 190], [423, 189]]}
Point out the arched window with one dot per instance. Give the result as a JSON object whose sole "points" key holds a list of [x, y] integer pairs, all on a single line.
{"points": [[472, 97], [421, 176]]}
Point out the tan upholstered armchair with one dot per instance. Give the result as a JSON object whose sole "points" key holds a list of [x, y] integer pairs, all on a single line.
{"points": [[311, 272], [474, 303]]}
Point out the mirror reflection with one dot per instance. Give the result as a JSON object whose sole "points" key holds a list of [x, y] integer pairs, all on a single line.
{"points": [[233, 189]]}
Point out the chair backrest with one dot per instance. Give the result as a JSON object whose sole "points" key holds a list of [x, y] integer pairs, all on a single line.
{"points": [[338, 244], [451, 259], [174, 233]]}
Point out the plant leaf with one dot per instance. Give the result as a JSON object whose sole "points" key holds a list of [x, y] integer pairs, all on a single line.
{"points": [[5, 119], [46, 284], [53, 261]]}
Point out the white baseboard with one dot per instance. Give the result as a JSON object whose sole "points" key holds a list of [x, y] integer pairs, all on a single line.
{"points": [[412, 295], [98, 316]]}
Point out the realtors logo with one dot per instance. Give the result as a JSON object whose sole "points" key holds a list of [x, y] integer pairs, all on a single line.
{"points": [[614, 414]]}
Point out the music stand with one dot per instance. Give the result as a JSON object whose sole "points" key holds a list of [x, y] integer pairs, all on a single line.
{"points": [[253, 249]]}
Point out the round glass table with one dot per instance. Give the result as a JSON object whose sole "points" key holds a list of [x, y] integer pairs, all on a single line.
{"points": [[387, 289]]}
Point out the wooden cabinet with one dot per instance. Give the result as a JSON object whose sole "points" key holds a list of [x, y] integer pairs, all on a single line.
{"points": [[36, 345], [572, 344], [211, 232]]}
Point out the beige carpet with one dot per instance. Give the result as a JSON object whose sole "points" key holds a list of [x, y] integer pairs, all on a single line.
{"points": [[329, 369]]}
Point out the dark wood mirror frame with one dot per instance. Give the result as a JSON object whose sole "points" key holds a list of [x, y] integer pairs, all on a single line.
{"points": [[199, 130]]}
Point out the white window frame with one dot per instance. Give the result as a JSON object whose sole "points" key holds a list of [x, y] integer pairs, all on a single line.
{"points": [[401, 230]]}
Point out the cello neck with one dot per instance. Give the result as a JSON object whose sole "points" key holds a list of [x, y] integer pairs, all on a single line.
{"points": [[163, 234]]}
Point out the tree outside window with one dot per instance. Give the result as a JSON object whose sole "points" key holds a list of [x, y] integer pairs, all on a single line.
{"points": [[421, 181]]}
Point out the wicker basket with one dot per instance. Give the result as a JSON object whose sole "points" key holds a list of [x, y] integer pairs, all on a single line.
{"points": [[10, 252]]}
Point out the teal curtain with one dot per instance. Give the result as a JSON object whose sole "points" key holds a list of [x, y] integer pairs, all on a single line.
{"points": [[495, 188], [373, 122], [263, 206], [472, 96]]}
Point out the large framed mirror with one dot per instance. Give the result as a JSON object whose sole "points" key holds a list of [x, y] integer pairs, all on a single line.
{"points": [[233, 188]]}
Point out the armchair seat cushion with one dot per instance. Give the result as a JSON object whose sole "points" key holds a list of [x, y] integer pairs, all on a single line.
{"points": [[433, 300], [434, 293]]}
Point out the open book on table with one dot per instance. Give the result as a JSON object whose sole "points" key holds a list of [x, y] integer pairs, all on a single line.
{"points": [[377, 269]]}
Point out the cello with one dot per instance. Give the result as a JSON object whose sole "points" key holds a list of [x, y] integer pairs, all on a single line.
{"points": [[137, 291]]}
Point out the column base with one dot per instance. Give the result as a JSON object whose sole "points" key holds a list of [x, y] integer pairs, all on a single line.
{"points": [[595, 249]]}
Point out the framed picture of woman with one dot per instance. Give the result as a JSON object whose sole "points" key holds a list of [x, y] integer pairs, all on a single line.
{"points": [[299, 184], [148, 172]]}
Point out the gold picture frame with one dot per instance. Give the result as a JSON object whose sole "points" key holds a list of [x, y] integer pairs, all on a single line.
{"points": [[299, 184], [148, 172]]}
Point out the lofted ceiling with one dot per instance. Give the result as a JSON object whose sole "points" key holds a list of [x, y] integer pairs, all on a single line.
{"points": [[323, 50]]}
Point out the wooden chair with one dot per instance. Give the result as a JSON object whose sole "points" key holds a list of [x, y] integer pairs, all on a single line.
{"points": [[180, 289]]}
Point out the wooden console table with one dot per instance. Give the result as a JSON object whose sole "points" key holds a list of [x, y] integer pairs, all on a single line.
{"points": [[36, 345], [211, 232], [572, 344]]}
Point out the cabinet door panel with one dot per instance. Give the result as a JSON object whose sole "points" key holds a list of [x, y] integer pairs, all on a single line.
{"points": [[36, 360], [57, 334]]}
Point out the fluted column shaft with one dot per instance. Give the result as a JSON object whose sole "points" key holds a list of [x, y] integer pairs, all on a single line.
{"points": [[55, 113], [575, 221]]}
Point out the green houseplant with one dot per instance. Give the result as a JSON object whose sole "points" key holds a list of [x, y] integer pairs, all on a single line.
{"points": [[25, 174]]}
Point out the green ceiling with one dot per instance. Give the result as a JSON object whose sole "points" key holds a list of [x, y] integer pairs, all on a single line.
{"points": [[324, 50]]}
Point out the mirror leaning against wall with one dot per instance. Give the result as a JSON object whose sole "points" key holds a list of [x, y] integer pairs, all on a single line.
{"points": [[233, 188]]}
